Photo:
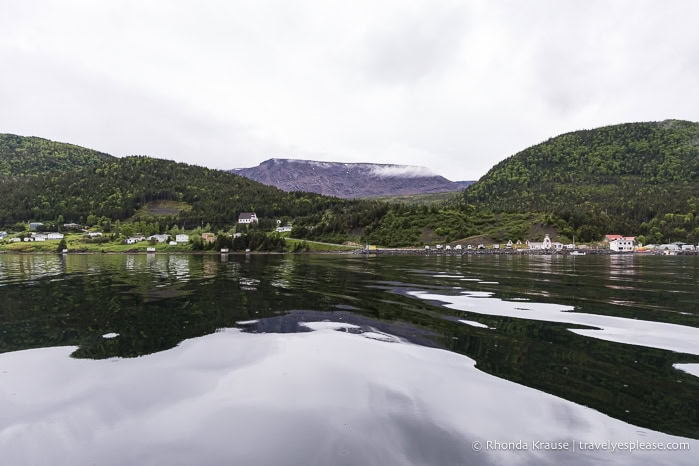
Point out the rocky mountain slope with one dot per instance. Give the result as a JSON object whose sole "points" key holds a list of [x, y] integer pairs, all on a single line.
{"points": [[348, 179]]}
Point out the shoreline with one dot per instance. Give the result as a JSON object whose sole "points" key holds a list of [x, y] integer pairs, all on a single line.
{"points": [[372, 252]]}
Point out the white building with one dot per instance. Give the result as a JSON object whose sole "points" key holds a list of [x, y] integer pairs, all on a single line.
{"points": [[622, 244], [93, 234], [182, 238], [54, 235], [158, 238], [247, 217], [545, 244], [285, 229]]}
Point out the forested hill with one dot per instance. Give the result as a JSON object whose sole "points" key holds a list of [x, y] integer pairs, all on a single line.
{"points": [[21, 156], [635, 178], [118, 189]]}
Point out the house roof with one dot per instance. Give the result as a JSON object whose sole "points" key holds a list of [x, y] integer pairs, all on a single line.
{"points": [[246, 215], [616, 237]]}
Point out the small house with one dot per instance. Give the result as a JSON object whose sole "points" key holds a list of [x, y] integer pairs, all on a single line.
{"points": [[208, 237], [158, 238], [247, 218], [3, 234], [54, 235], [35, 225], [94, 234], [284, 229], [182, 238]]}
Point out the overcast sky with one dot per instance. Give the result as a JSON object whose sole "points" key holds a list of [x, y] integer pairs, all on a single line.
{"points": [[455, 86]]}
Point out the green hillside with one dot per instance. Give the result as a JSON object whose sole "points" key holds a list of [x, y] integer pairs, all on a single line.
{"points": [[127, 187], [635, 178], [21, 156]]}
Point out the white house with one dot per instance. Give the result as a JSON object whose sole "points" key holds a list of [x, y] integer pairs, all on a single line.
{"points": [[247, 217], [93, 234], [3, 234], [131, 240], [545, 244], [182, 238], [54, 235], [158, 238], [35, 225], [285, 229], [39, 237], [622, 244], [509, 244]]}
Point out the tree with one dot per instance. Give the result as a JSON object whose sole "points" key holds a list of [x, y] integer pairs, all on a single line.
{"points": [[62, 245]]}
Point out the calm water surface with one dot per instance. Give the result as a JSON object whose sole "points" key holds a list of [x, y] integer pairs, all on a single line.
{"points": [[323, 360]]}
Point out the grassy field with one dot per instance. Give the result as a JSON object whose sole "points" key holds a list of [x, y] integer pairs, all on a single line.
{"points": [[317, 246], [161, 208], [75, 243]]}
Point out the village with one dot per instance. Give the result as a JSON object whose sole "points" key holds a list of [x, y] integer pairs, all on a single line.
{"points": [[182, 241]]}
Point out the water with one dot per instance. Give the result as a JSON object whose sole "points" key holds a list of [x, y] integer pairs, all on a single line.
{"points": [[118, 359]]}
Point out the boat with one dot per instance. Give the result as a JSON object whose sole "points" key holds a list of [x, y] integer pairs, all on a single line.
{"points": [[575, 252]]}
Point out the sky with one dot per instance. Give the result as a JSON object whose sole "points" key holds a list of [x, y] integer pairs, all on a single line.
{"points": [[454, 86]]}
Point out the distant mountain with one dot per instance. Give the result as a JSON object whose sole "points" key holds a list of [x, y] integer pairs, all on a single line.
{"points": [[633, 179], [20, 156], [348, 179], [464, 184]]}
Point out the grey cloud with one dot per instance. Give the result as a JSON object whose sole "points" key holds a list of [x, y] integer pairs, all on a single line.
{"points": [[414, 44], [57, 101]]}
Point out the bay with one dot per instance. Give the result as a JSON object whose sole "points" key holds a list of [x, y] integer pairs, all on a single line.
{"points": [[344, 359]]}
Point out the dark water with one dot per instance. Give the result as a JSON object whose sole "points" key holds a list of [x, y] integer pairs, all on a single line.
{"points": [[566, 349]]}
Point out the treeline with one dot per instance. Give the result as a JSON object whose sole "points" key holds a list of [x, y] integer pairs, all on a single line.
{"points": [[22, 156], [624, 178]]}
